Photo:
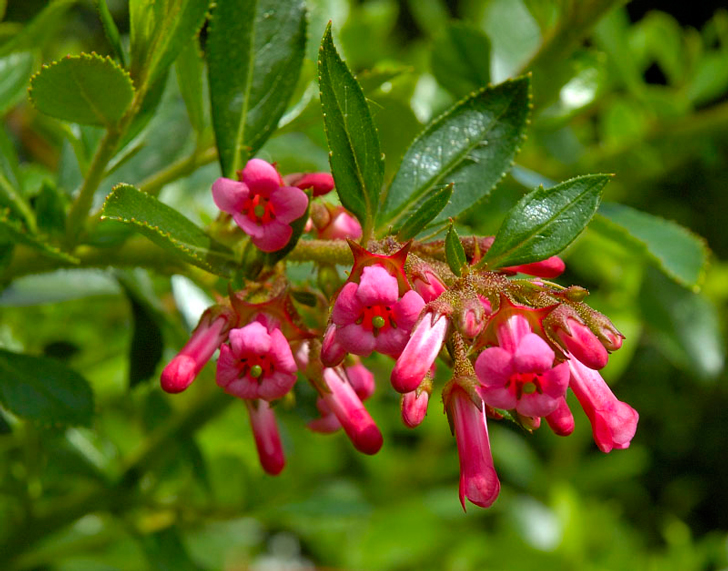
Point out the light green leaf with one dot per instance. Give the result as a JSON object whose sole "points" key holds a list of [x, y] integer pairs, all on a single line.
{"points": [[44, 390], [678, 252], [418, 221], [110, 29], [254, 54], [454, 251], [167, 228], [189, 67], [87, 89], [471, 145], [461, 59], [15, 71], [10, 189], [11, 230], [354, 152], [545, 221]]}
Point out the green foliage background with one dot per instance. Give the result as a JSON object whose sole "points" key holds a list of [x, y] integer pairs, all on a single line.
{"points": [[172, 482]]}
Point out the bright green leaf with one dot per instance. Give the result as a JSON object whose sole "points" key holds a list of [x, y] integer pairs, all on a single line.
{"points": [[454, 251], [167, 228], [545, 221], [87, 89], [15, 71], [44, 390], [110, 29], [254, 54], [678, 252], [355, 156], [430, 208], [471, 145], [461, 59], [189, 69]]}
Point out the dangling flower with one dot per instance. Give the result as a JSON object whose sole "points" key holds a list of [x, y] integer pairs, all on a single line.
{"points": [[414, 404], [420, 352], [267, 438], [260, 204], [561, 421], [257, 364]]}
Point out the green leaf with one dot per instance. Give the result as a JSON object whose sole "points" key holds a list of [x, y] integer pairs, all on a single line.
{"points": [[34, 35], [159, 29], [5, 427], [12, 230], [684, 324], [44, 390], [430, 208], [167, 228], [471, 145], [10, 181], [678, 252], [87, 89], [254, 55], [110, 29], [50, 210], [165, 550], [454, 251], [15, 71], [545, 221], [190, 68], [461, 59], [354, 153]]}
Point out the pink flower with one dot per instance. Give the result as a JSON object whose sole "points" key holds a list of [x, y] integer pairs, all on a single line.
{"points": [[549, 268], [561, 420], [420, 352], [414, 407], [341, 226], [522, 377], [321, 182], [613, 422], [361, 380], [428, 284], [206, 338], [582, 343], [478, 479], [332, 353], [256, 364], [261, 205], [370, 316], [342, 400], [267, 438]]}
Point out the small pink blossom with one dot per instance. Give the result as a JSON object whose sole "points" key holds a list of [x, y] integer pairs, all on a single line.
{"points": [[561, 420], [341, 225], [361, 380], [614, 422], [332, 352], [420, 352], [261, 205], [549, 268], [414, 407], [320, 182], [428, 284], [370, 316], [257, 364], [582, 343], [267, 437], [206, 338], [522, 377], [478, 479]]}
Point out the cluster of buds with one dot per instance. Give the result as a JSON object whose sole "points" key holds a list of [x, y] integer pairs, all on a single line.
{"points": [[515, 345]]}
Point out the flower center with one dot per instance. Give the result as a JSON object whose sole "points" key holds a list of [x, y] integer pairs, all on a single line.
{"points": [[259, 209], [525, 384], [377, 318], [256, 367]]}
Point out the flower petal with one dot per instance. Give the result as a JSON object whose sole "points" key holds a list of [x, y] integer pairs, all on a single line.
{"points": [[377, 287], [407, 310], [532, 355], [289, 203], [276, 386], [280, 352], [274, 236], [229, 195], [261, 177], [355, 339], [347, 308], [227, 367]]}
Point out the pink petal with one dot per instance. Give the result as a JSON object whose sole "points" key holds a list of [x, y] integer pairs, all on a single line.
{"points": [[494, 367], [347, 307], [536, 405], [362, 379], [280, 352], [251, 228], [554, 382], [532, 355], [332, 353], [407, 310], [354, 339], [229, 195], [227, 367], [253, 339], [414, 408], [325, 425], [561, 420], [274, 236], [261, 177], [276, 386], [392, 341], [419, 354], [245, 388], [377, 287], [289, 203]]}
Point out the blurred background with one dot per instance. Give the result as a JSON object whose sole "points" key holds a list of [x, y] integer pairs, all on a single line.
{"points": [[173, 482]]}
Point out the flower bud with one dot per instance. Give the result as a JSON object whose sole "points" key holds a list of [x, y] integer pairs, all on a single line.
{"points": [[561, 420], [267, 437], [427, 283], [471, 318], [414, 407], [320, 182], [582, 343], [420, 353], [332, 353], [549, 268]]}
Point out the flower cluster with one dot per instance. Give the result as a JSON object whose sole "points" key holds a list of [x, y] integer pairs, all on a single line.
{"points": [[515, 345]]}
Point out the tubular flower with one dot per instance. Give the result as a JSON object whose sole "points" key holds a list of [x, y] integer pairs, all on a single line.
{"points": [[561, 421], [613, 422], [370, 316], [319, 182], [414, 407], [257, 364], [478, 479], [260, 204], [420, 352], [428, 284], [267, 438], [361, 380]]}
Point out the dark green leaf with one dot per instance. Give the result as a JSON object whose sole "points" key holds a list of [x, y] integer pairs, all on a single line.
{"points": [[678, 252], [189, 69], [165, 551], [11, 230], [110, 29], [42, 389], [472, 145], [354, 153], [40, 29], [15, 71], [167, 228], [87, 89], [10, 189], [461, 59], [254, 54], [418, 221], [50, 210], [545, 221], [685, 325], [454, 251], [5, 427], [158, 31]]}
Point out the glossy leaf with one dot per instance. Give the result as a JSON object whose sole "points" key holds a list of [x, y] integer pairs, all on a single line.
{"points": [[15, 71], [678, 252], [545, 221], [110, 29], [454, 251], [87, 89], [461, 59], [430, 208], [471, 145], [44, 390], [254, 55], [189, 68], [159, 29], [354, 152], [12, 231], [167, 228]]}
